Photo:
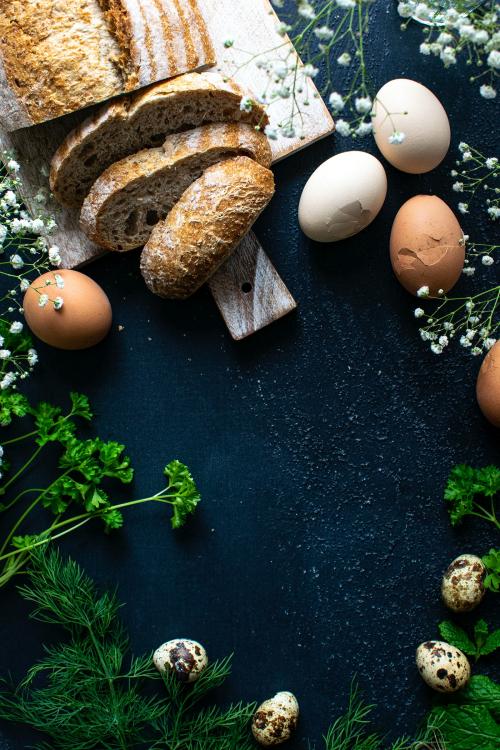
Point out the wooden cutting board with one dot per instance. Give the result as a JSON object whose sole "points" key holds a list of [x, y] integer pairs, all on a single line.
{"points": [[251, 25]]}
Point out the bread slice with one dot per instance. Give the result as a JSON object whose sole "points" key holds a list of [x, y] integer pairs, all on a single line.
{"points": [[205, 226], [58, 56], [132, 195], [142, 121]]}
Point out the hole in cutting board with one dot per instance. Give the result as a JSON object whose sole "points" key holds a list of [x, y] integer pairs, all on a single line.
{"points": [[246, 287]]}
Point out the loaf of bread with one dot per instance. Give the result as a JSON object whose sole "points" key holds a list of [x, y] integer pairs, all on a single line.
{"points": [[58, 56], [205, 226], [132, 195], [143, 121]]}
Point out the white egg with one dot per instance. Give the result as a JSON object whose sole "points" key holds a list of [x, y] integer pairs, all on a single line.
{"points": [[411, 110], [185, 658], [442, 666], [275, 719], [342, 196]]}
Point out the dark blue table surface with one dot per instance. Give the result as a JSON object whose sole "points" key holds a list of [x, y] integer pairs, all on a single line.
{"points": [[321, 447]]}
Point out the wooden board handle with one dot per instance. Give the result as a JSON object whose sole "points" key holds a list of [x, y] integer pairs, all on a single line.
{"points": [[248, 290]]}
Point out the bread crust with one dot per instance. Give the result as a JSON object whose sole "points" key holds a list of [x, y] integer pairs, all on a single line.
{"points": [[118, 128], [61, 56], [151, 181], [205, 226]]}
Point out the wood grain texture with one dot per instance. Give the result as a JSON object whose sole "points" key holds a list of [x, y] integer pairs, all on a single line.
{"points": [[249, 291]]}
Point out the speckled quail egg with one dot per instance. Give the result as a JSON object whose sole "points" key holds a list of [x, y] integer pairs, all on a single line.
{"points": [[185, 658], [442, 666], [462, 588], [275, 719]]}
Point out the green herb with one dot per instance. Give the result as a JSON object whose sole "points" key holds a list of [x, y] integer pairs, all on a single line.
{"points": [[484, 643], [89, 692], [79, 492], [472, 492], [492, 563], [471, 722], [351, 730]]}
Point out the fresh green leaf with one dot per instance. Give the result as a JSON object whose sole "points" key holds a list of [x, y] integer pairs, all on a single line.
{"points": [[184, 493], [80, 406], [487, 481], [492, 563], [112, 518], [459, 492], [114, 463], [481, 690], [481, 635], [467, 727], [12, 404], [491, 644], [457, 636]]}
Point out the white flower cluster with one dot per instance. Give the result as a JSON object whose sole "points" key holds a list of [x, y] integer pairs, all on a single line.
{"points": [[473, 321], [25, 253], [475, 173], [473, 34]]}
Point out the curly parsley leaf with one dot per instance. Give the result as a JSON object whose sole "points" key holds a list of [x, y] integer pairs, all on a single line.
{"points": [[184, 495], [80, 406], [492, 562], [12, 405], [465, 488]]}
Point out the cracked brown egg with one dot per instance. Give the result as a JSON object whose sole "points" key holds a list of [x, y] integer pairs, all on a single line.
{"points": [[462, 587], [185, 658], [427, 245], [276, 719], [442, 666], [488, 386], [342, 196]]}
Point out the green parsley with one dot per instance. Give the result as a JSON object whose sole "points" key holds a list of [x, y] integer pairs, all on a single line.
{"points": [[80, 490], [492, 563], [472, 492], [88, 691]]}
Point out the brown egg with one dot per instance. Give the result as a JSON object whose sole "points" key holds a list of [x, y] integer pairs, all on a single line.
{"points": [[83, 319], [427, 245], [488, 385]]}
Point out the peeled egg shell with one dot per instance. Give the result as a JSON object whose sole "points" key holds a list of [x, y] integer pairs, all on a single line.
{"points": [[342, 196], [425, 125], [442, 666], [488, 385], [83, 320], [427, 245]]}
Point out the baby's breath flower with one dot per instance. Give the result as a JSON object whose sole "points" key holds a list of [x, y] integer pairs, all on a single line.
{"points": [[343, 128], [487, 92], [487, 260], [344, 60], [463, 208], [423, 291], [16, 262], [397, 137], [337, 102], [58, 303], [32, 357], [246, 104], [363, 104], [458, 187], [5, 353], [43, 299], [489, 343], [16, 327], [364, 128], [418, 312], [494, 59]]}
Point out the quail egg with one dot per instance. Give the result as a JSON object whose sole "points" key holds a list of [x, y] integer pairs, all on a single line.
{"points": [[442, 666], [275, 719], [462, 588], [185, 658]]}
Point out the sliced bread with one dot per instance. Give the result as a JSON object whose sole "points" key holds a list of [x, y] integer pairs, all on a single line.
{"points": [[132, 195], [142, 121], [205, 226]]}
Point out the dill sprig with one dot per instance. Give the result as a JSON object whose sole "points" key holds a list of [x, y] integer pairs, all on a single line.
{"points": [[90, 692]]}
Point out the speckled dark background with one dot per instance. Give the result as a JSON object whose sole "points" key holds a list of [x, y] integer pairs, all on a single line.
{"points": [[321, 447]]}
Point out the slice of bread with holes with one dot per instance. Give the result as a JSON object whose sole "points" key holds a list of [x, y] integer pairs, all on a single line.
{"points": [[142, 121], [131, 196], [205, 226]]}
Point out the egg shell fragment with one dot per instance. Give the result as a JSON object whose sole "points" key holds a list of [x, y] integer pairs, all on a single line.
{"points": [[83, 320], [462, 587], [275, 719], [408, 107], [185, 658], [342, 197], [488, 385], [443, 667], [427, 245]]}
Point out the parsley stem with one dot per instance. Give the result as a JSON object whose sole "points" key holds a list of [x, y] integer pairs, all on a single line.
{"points": [[19, 521], [19, 438], [21, 470], [18, 497]]}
